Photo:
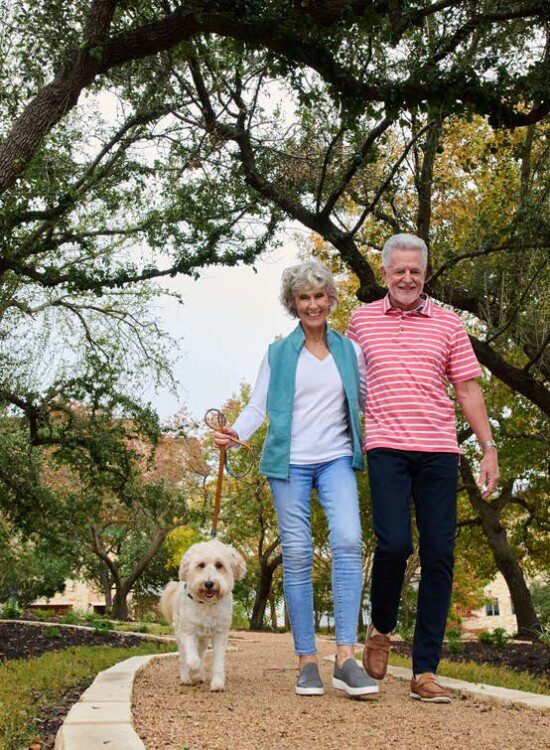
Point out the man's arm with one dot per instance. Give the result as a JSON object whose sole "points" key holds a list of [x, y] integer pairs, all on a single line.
{"points": [[472, 403]]}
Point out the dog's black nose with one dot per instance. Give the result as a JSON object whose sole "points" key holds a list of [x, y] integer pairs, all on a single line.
{"points": [[209, 585]]}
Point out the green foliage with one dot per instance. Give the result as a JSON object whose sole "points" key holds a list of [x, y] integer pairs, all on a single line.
{"points": [[52, 632], [70, 617], [498, 637], [545, 635], [406, 633], [41, 614], [92, 617], [11, 609], [29, 688], [485, 637], [240, 620], [454, 641], [540, 593], [103, 626]]}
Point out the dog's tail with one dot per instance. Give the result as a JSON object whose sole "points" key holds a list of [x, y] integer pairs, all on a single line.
{"points": [[166, 603]]}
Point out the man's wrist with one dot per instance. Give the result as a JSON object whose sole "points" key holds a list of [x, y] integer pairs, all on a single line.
{"points": [[488, 445]]}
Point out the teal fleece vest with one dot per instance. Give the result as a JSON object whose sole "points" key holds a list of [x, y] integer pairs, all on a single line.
{"points": [[283, 360]]}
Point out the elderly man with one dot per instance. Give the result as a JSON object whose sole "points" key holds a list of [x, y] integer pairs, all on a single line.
{"points": [[412, 346]]}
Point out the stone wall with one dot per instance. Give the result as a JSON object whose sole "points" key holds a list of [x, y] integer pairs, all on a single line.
{"points": [[479, 620]]}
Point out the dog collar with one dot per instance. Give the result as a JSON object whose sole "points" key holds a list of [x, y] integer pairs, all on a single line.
{"points": [[189, 595]]}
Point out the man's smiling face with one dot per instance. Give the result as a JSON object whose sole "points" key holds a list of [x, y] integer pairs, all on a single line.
{"points": [[405, 277]]}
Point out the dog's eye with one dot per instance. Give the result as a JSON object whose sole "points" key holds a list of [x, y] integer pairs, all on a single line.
{"points": [[201, 565], [219, 566]]}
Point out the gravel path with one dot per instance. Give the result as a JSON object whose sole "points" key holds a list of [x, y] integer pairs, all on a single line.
{"points": [[259, 710]]}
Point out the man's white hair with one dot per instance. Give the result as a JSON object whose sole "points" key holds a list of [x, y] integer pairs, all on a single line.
{"points": [[305, 276], [404, 242]]}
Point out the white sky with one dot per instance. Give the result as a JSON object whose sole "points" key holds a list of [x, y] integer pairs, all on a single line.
{"points": [[229, 317]]}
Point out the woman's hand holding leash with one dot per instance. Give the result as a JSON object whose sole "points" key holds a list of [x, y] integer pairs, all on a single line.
{"points": [[222, 436]]}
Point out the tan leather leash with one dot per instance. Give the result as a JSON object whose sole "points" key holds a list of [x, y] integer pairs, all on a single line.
{"points": [[215, 419]]}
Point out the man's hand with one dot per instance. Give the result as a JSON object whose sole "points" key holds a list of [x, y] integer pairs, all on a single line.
{"points": [[222, 437], [489, 475]]}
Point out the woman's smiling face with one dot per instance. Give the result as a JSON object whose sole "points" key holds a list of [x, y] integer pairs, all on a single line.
{"points": [[312, 307]]}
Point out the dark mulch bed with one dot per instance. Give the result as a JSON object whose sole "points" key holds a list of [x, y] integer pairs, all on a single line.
{"points": [[19, 641], [523, 657], [48, 725]]}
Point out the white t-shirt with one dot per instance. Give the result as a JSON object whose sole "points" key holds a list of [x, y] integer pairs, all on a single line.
{"points": [[320, 430]]}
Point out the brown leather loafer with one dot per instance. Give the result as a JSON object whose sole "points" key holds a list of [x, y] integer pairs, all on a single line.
{"points": [[427, 688], [375, 654]]}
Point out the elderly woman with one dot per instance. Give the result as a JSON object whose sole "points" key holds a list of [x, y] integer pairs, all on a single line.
{"points": [[310, 385]]}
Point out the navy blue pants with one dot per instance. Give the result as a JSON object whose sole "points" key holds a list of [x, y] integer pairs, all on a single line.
{"points": [[431, 479]]}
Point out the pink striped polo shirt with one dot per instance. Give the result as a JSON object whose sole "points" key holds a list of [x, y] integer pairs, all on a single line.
{"points": [[410, 356]]}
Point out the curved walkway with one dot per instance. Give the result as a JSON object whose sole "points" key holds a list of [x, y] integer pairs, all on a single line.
{"points": [[259, 710]]}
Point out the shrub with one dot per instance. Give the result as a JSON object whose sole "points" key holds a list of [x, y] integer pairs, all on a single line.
{"points": [[406, 633], [52, 632], [92, 617], [149, 617], [500, 637], [454, 636], [70, 617], [485, 637], [103, 626], [142, 629], [11, 609], [41, 614], [545, 636]]}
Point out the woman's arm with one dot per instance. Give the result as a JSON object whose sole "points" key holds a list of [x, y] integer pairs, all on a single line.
{"points": [[253, 414]]}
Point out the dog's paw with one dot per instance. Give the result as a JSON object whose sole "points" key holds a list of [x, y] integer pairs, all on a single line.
{"points": [[217, 686], [194, 666]]}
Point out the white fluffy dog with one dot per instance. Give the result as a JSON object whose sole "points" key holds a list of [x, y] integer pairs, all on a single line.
{"points": [[199, 606]]}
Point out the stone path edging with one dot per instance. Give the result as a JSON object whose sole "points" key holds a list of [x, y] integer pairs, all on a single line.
{"points": [[103, 715], [479, 689]]}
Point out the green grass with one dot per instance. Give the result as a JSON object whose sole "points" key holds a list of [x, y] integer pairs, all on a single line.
{"points": [[29, 686], [153, 628], [473, 672]]}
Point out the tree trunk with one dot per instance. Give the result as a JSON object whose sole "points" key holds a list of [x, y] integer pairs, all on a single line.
{"points": [[119, 610], [273, 612], [262, 597], [529, 626], [106, 585]]}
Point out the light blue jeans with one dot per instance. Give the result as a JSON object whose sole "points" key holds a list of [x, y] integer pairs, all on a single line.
{"points": [[337, 491]]}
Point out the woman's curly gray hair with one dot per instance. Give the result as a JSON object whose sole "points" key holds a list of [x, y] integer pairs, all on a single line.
{"points": [[309, 275]]}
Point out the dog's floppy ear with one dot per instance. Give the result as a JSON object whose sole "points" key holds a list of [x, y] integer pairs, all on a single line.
{"points": [[184, 566], [238, 564]]}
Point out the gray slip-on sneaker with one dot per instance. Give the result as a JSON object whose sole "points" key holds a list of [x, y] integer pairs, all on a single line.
{"points": [[309, 681], [353, 679]]}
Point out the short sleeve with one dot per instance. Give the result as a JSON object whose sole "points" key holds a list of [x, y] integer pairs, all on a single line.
{"points": [[462, 363]]}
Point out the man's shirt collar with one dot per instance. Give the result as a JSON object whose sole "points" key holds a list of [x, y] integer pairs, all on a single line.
{"points": [[425, 308]]}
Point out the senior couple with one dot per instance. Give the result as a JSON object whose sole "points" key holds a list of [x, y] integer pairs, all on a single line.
{"points": [[394, 363]]}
